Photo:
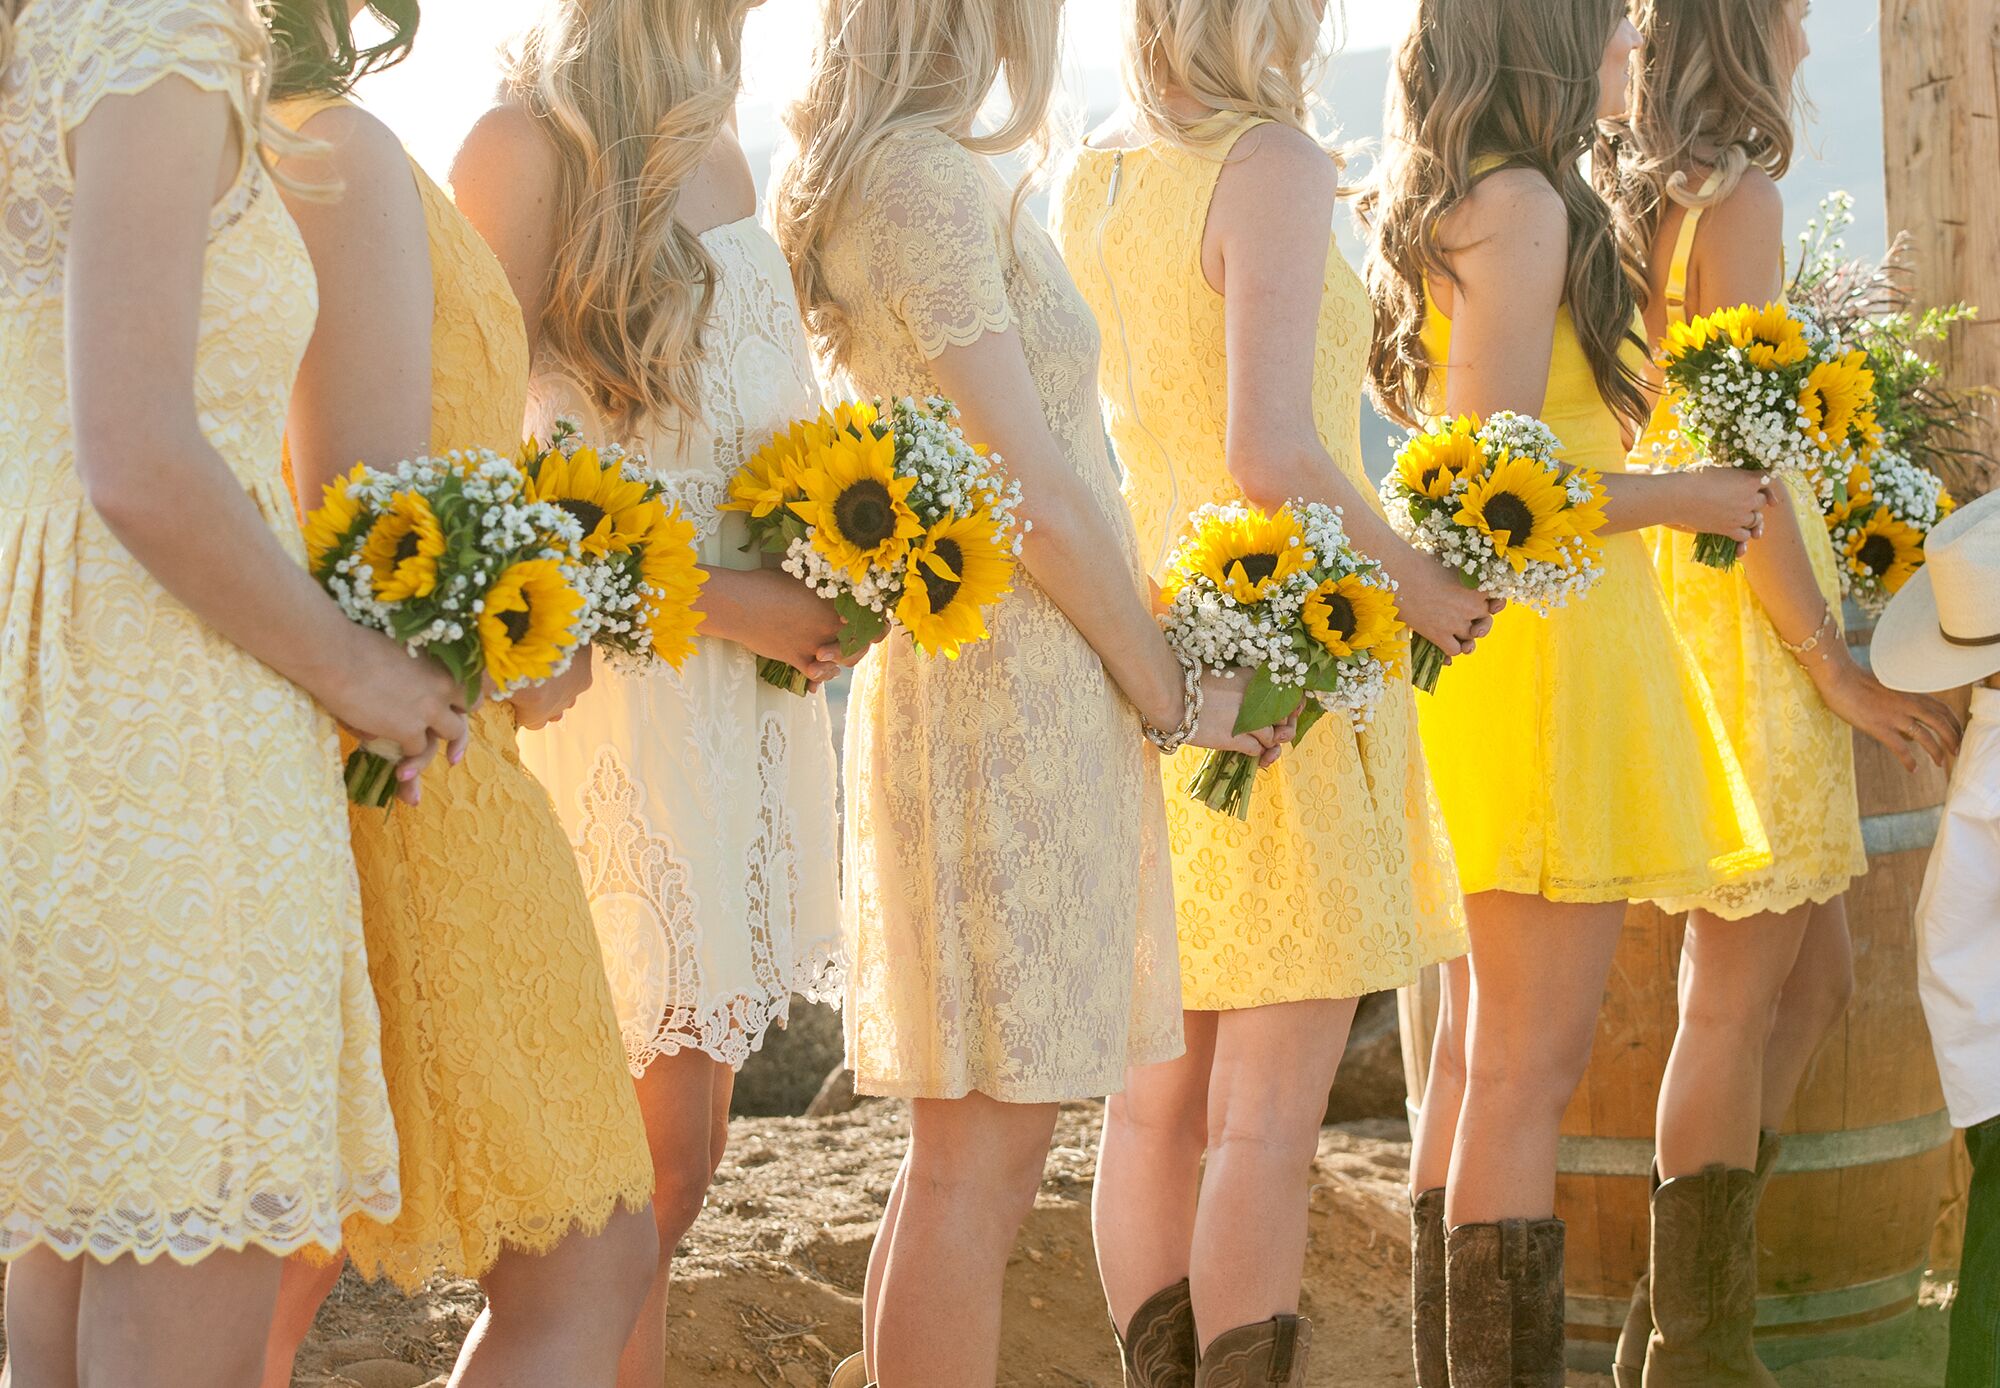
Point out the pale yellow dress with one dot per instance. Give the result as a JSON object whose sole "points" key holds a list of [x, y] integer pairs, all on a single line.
{"points": [[1341, 882], [188, 1043], [1010, 905]]}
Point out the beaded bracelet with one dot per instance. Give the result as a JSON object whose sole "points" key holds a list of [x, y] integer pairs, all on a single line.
{"points": [[1812, 642], [1191, 694]]}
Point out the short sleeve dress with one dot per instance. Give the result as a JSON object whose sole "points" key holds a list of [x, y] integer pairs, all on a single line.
{"points": [[188, 1044], [1008, 886]]}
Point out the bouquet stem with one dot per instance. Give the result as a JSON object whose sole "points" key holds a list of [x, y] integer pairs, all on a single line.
{"points": [[371, 779], [1224, 783], [1426, 663], [780, 675], [1716, 551]]}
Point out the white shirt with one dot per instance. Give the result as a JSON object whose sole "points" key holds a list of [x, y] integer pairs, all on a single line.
{"points": [[1958, 919]]}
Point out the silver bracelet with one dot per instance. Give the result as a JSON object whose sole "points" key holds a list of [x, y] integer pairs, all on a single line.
{"points": [[1191, 695]]}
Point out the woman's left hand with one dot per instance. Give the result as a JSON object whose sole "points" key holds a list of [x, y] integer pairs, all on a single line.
{"points": [[539, 705]]}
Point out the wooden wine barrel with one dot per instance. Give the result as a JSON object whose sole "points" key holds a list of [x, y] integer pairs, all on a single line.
{"points": [[1846, 1227]]}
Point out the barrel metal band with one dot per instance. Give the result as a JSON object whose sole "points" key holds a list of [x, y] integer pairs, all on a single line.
{"points": [[1901, 831], [1799, 1308], [1633, 1156]]}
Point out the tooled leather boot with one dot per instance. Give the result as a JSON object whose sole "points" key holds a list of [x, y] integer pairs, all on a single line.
{"points": [[1504, 1304], [1704, 1265], [1269, 1354], [1159, 1349], [1427, 1288]]}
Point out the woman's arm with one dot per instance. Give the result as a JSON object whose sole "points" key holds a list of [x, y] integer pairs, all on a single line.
{"points": [[1265, 252], [145, 174]]}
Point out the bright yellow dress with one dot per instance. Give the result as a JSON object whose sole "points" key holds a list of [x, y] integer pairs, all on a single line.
{"points": [[1579, 755], [188, 1044], [517, 1119], [1796, 753], [1341, 882]]}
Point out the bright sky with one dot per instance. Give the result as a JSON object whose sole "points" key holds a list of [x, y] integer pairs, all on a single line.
{"points": [[431, 99]]}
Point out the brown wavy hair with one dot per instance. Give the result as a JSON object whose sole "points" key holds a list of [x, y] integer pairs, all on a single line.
{"points": [[313, 48], [1512, 83], [633, 94]]}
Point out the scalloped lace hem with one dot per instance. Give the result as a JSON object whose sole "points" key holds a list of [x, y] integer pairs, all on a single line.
{"points": [[408, 1267], [734, 1029]]}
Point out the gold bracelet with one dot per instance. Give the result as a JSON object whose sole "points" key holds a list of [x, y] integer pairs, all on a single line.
{"points": [[1191, 696], [1812, 642]]}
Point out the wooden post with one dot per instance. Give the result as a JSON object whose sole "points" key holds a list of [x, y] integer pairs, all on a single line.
{"points": [[1941, 147]]}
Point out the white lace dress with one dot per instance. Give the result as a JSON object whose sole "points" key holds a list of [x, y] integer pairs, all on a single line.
{"points": [[703, 804]]}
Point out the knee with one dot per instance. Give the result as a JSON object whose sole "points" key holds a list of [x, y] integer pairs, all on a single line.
{"points": [[1265, 1141], [1536, 1084], [631, 1249], [997, 1187], [1166, 1132], [679, 1192]]}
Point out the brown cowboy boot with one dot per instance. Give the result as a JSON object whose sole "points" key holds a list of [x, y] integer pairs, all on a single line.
{"points": [[1427, 1288], [1270, 1354], [1704, 1265], [1504, 1304], [1159, 1349]]}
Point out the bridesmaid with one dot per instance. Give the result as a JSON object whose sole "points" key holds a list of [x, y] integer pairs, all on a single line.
{"points": [[1012, 920], [1711, 120], [1499, 284], [1198, 223], [190, 1081], [524, 1158], [702, 804]]}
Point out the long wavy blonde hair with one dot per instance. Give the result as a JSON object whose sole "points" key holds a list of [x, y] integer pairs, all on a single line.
{"points": [[1513, 82], [633, 94], [886, 66], [1716, 90], [1256, 58]]}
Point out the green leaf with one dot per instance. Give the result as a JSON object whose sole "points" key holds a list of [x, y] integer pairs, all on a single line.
{"points": [[861, 627], [1309, 715], [1266, 702]]}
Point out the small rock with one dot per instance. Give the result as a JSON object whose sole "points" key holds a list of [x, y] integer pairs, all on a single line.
{"points": [[1036, 1303], [384, 1373], [349, 1349]]}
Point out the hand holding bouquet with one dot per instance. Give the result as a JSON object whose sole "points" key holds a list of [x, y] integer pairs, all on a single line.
{"points": [[1492, 503], [893, 517], [1767, 389], [1879, 519], [1285, 597]]}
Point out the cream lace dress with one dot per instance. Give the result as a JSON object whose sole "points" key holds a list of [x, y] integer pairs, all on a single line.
{"points": [[189, 1055], [1009, 891], [703, 805]]}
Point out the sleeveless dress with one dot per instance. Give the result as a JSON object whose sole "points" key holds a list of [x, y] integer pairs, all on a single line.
{"points": [[1341, 883], [517, 1122], [1579, 756], [1796, 753], [1008, 888], [188, 1053], [704, 805]]}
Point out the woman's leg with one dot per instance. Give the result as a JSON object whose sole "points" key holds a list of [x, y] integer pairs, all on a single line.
{"points": [[303, 1286], [168, 1326], [1272, 1071], [43, 1293], [1444, 1086], [562, 1316], [974, 1167], [1815, 997], [1142, 1213], [878, 1264], [685, 1100]]}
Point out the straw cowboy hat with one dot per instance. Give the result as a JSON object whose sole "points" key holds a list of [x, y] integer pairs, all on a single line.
{"points": [[1943, 629]]}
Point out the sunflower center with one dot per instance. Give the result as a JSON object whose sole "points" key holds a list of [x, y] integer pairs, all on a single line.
{"points": [[1878, 552], [406, 547], [1505, 511], [1339, 615], [588, 514], [517, 624], [865, 513], [1258, 567], [943, 590]]}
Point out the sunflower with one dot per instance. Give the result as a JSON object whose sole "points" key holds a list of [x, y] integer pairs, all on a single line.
{"points": [[1835, 399], [770, 480], [1247, 553], [1430, 463], [612, 509], [402, 549], [1884, 550], [1519, 507], [1585, 519], [528, 622], [1351, 617], [330, 527], [1769, 336], [959, 568], [1859, 492], [857, 506], [671, 570]]}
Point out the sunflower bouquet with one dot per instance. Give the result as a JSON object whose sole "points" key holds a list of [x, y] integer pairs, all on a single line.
{"points": [[892, 515], [1286, 597], [639, 570], [456, 559], [1491, 501], [1878, 520], [1768, 389]]}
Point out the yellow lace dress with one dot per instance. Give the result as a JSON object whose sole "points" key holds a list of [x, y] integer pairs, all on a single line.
{"points": [[1010, 905], [1341, 883], [517, 1120], [1579, 756], [1796, 753], [188, 1053]]}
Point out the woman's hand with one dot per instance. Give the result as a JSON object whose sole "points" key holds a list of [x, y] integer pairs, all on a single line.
{"points": [[1221, 701], [1904, 723], [1438, 607], [539, 705], [385, 696], [1722, 501], [773, 615]]}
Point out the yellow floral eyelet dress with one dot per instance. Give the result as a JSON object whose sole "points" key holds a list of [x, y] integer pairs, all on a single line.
{"points": [[188, 1044], [1341, 883], [1009, 897], [517, 1120], [1796, 753], [1579, 756]]}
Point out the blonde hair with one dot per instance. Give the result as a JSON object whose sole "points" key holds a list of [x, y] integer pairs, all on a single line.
{"points": [[886, 66], [1234, 58], [1710, 92], [633, 95], [1499, 83]]}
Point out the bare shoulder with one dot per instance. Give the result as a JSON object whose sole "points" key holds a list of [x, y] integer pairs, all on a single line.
{"points": [[1274, 157], [506, 147], [359, 153], [1750, 221], [1512, 205]]}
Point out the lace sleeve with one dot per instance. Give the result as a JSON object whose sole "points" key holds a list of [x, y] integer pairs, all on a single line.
{"points": [[133, 44], [939, 257]]}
